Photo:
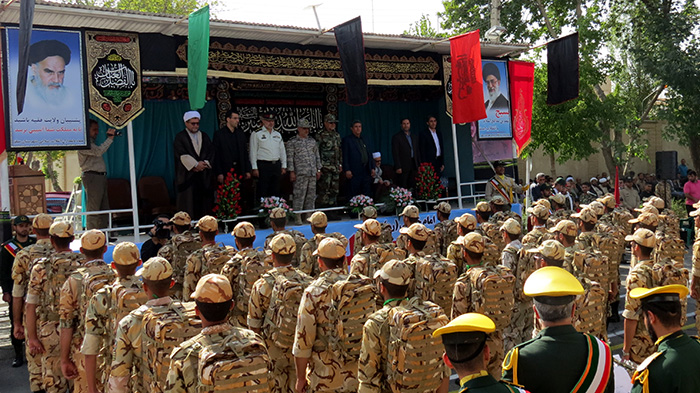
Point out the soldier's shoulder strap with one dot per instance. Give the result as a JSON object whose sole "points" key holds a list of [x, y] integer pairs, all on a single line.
{"points": [[641, 375]]}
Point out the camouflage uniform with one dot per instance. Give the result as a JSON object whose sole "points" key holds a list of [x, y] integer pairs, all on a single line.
{"points": [[367, 261], [520, 328], [561, 214], [325, 373], [492, 231], [423, 270], [431, 245], [282, 365], [242, 271], [330, 153], [309, 263], [535, 237], [173, 252], [641, 275], [696, 276], [384, 238], [303, 159], [298, 237], [446, 233], [208, 259]]}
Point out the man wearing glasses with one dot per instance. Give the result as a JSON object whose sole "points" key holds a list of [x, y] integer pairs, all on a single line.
{"points": [[194, 155]]}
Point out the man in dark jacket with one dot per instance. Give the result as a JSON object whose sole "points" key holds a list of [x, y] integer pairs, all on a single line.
{"points": [[194, 157], [431, 148], [404, 148], [357, 162]]}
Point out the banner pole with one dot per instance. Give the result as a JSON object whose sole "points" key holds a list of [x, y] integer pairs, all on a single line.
{"points": [[528, 193], [132, 176], [457, 174]]}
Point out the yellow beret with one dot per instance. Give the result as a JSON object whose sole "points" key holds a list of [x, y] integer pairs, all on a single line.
{"points": [[552, 281]]}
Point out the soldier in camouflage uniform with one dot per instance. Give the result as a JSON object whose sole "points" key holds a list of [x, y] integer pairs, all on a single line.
{"points": [[178, 248], [331, 154], [410, 216], [385, 237], [21, 269], [501, 211], [243, 270], [669, 221], [520, 327], [559, 211], [278, 222], [76, 292], [393, 279], [326, 373], [307, 262], [283, 372], [587, 239], [465, 223], [304, 166], [565, 232], [446, 229], [106, 308], [209, 259], [367, 260], [538, 218], [214, 299], [43, 296]]}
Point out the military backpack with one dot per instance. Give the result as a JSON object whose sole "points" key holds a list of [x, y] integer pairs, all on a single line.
{"points": [[281, 316], [667, 272], [435, 280], [183, 246], [56, 273], [592, 265], [591, 309], [492, 294], [90, 280]]}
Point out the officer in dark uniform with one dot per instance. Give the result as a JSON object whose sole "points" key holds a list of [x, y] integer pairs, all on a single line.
{"points": [[559, 359], [22, 226], [675, 366], [466, 351]]}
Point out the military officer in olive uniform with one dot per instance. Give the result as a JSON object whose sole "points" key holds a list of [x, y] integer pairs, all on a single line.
{"points": [[304, 165], [329, 147]]}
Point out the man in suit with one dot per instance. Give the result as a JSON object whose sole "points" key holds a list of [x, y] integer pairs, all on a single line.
{"points": [[356, 162], [431, 148], [404, 147], [492, 78], [194, 155]]}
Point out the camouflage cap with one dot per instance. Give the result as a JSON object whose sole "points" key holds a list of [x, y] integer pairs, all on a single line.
{"points": [[473, 242], [278, 212], [125, 253], [608, 200], [544, 202], [61, 229], [244, 230], [208, 224], [558, 198], [395, 272], [213, 288], [498, 200], [540, 211], [483, 207], [566, 227], [156, 269], [694, 213], [586, 215], [650, 219], [93, 240], [283, 244], [512, 226], [656, 202], [410, 211], [647, 209], [550, 249], [42, 221], [466, 220], [369, 212], [371, 227], [318, 219], [303, 123], [444, 207], [330, 118], [597, 207], [181, 218], [416, 231], [330, 247], [643, 237]]}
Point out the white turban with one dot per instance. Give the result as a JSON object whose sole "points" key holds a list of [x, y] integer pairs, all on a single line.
{"points": [[376, 155], [191, 115]]}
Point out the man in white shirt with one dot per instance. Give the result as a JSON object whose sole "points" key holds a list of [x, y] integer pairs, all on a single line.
{"points": [[268, 157], [194, 154], [94, 175], [431, 146]]}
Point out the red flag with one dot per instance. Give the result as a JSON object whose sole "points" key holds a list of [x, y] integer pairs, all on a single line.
{"points": [[617, 186], [467, 80], [522, 82]]}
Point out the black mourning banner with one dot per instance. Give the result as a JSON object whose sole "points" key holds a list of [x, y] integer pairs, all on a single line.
{"points": [[562, 69], [26, 20], [352, 59]]}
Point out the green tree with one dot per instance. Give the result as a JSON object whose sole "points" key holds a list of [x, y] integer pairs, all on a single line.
{"points": [[172, 7], [423, 27]]}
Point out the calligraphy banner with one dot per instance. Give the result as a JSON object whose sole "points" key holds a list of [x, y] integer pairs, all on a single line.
{"points": [[447, 71], [114, 64], [467, 96], [522, 83]]}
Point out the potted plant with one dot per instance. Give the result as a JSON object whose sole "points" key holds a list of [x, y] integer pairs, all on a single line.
{"points": [[269, 203], [228, 198], [400, 198], [428, 185], [358, 203]]}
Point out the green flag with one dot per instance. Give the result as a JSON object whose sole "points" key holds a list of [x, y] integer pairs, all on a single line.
{"points": [[198, 57]]}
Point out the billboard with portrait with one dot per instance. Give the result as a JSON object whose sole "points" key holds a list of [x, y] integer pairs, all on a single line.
{"points": [[497, 124], [54, 115]]}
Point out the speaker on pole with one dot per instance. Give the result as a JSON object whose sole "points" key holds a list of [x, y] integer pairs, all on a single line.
{"points": [[666, 164]]}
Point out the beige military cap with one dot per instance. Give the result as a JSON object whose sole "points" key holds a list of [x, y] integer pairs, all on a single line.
{"points": [[213, 288], [395, 272], [318, 219], [656, 202], [694, 213], [61, 229], [473, 242], [244, 230], [647, 209], [444, 207], [643, 237], [466, 220], [566, 227], [125, 253], [410, 211], [181, 218], [558, 198], [278, 212], [156, 269], [498, 200], [597, 207], [483, 207], [42, 221], [369, 212], [283, 244], [331, 248], [646, 219], [208, 224], [540, 211], [416, 231], [586, 215], [544, 202], [608, 200], [550, 249], [512, 226], [93, 240], [371, 227]]}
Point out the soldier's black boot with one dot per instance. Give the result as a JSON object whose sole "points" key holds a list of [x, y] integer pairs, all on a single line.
{"points": [[19, 355]]}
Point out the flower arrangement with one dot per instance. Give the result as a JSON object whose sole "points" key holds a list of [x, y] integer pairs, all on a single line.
{"points": [[428, 183], [400, 197], [269, 203], [359, 202], [228, 197]]}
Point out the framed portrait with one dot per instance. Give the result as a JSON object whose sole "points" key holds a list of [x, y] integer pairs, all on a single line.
{"points": [[54, 113], [497, 124]]}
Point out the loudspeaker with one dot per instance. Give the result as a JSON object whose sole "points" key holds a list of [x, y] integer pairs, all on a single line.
{"points": [[666, 165]]}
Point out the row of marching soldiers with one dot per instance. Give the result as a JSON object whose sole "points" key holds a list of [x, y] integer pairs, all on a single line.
{"points": [[181, 323]]}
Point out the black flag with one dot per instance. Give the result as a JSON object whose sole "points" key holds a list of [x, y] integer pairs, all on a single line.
{"points": [[26, 19], [562, 69], [351, 48]]}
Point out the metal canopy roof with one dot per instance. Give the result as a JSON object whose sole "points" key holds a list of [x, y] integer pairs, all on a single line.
{"points": [[79, 16]]}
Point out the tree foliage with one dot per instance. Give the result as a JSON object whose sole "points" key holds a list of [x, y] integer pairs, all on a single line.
{"points": [[423, 27], [172, 7]]}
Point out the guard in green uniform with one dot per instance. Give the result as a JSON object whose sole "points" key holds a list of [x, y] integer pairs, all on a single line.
{"points": [[675, 366], [466, 351], [559, 359]]}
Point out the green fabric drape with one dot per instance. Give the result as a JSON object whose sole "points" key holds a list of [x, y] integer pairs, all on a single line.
{"points": [[198, 57]]}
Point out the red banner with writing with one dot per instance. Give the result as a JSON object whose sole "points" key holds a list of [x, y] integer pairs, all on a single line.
{"points": [[467, 82], [522, 82]]}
